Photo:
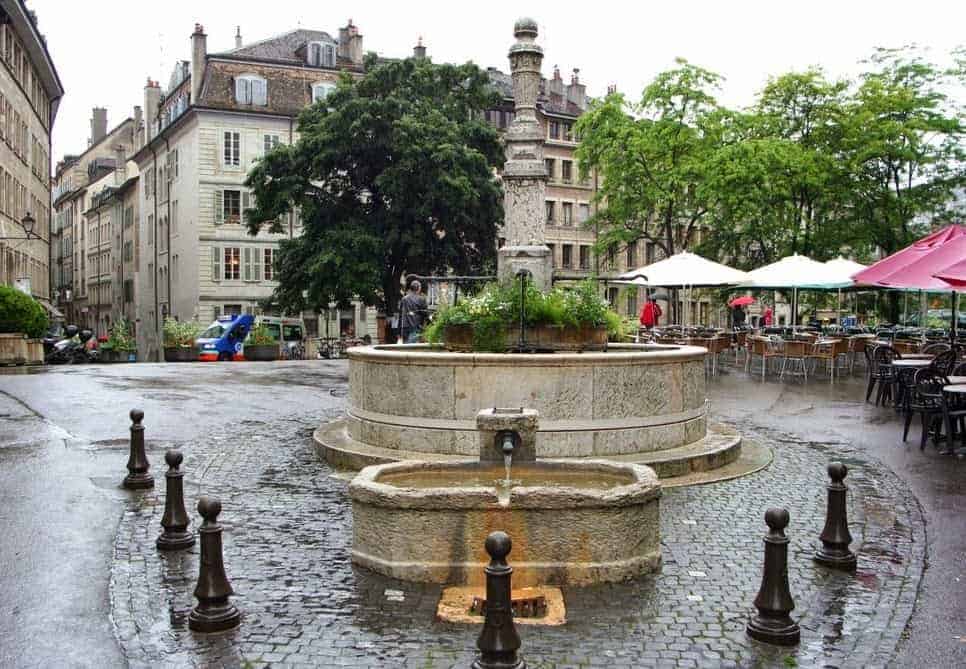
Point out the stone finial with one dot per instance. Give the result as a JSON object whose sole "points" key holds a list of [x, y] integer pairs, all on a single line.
{"points": [[837, 472], [136, 416], [498, 545], [209, 508], [173, 459], [525, 27]]}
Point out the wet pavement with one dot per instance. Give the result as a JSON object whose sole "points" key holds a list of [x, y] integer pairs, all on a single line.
{"points": [[92, 573]]}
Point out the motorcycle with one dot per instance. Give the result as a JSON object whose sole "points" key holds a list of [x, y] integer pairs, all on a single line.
{"points": [[72, 348]]}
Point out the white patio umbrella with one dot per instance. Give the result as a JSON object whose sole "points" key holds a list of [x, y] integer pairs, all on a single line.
{"points": [[795, 272], [846, 268], [683, 270]]}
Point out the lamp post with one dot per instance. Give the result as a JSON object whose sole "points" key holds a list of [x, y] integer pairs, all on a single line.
{"points": [[27, 222]]}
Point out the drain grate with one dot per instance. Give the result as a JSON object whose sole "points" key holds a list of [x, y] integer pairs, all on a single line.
{"points": [[523, 607]]}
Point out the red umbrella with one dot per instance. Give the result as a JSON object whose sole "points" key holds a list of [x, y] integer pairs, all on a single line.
{"points": [[914, 266], [742, 301]]}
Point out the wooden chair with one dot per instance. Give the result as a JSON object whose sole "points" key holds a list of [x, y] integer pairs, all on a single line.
{"points": [[823, 350], [796, 351]]}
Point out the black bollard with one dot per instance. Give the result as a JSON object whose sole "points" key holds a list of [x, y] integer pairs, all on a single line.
{"points": [[498, 641], [214, 613], [175, 521], [774, 602], [835, 537], [137, 463]]}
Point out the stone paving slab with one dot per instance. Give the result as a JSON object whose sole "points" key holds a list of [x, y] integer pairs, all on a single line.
{"points": [[287, 541]]}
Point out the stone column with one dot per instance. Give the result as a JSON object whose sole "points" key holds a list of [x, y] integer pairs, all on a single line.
{"points": [[525, 174]]}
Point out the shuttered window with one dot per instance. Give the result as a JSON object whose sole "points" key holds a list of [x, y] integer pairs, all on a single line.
{"points": [[232, 148], [251, 90]]}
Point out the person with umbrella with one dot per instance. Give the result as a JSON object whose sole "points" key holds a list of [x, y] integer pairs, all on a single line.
{"points": [[737, 310], [650, 312]]}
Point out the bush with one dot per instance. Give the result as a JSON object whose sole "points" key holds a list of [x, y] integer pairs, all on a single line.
{"points": [[180, 334], [21, 313], [260, 335], [497, 307], [120, 337]]}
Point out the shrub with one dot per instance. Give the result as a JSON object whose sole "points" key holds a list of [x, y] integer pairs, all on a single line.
{"points": [[120, 337], [260, 335], [21, 313], [180, 333], [497, 307]]}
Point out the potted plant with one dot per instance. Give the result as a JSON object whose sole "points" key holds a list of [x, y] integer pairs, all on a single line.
{"points": [[179, 340], [22, 323], [563, 319], [120, 345], [261, 345]]}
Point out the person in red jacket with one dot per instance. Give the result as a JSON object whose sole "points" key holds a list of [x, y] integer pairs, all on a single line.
{"points": [[650, 313]]}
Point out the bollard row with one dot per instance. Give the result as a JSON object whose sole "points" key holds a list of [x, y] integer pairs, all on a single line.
{"points": [[214, 612], [773, 623]]}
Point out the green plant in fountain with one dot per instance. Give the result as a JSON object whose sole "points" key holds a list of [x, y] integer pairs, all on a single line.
{"points": [[496, 308], [261, 336], [180, 334]]}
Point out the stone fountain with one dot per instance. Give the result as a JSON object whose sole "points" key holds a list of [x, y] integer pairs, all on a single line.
{"points": [[572, 523], [634, 402]]}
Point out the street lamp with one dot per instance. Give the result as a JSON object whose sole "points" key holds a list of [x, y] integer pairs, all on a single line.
{"points": [[28, 226]]}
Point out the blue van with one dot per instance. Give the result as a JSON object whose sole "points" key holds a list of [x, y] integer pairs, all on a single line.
{"points": [[225, 338]]}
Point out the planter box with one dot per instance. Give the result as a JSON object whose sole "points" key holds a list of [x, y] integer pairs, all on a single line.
{"points": [[541, 337], [261, 353], [15, 349], [180, 354], [110, 355]]}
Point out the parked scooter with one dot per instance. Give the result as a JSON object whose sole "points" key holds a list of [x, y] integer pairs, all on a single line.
{"points": [[72, 349]]}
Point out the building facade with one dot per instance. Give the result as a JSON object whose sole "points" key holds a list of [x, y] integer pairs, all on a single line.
{"points": [[219, 114], [78, 179], [30, 91]]}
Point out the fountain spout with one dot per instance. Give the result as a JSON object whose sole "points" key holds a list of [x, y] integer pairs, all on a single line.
{"points": [[507, 433]]}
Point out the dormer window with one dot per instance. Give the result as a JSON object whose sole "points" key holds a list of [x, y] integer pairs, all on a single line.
{"points": [[320, 54], [321, 90], [251, 90]]}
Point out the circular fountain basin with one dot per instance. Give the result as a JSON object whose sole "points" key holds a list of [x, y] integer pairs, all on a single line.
{"points": [[416, 400], [572, 523]]}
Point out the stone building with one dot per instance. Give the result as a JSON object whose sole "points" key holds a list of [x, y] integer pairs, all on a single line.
{"points": [[219, 114], [77, 180], [30, 92]]}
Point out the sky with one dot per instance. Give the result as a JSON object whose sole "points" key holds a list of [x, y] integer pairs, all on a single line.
{"points": [[104, 50]]}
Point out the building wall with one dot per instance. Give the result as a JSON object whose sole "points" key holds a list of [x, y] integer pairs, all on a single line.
{"points": [[24, 165]]}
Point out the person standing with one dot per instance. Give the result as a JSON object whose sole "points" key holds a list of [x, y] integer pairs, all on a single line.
{"points": [[412, 314], [738, 316], [768, 316], [650, 313]]}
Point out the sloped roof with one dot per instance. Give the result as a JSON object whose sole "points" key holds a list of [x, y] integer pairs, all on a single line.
{"points": [[549, 103], [281, 47]]}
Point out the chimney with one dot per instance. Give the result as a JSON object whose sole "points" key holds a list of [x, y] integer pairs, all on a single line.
{"points": [[152, 99], [354, 47], [556, 84], [576, 91], [419, 51], [238, 40], [120, 165], [342, 51], [199, 53], [98, 124], [138, 132], [611, 88]]}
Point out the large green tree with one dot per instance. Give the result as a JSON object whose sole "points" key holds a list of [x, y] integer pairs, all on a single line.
{"points": [[392, 173], [652, 157]]}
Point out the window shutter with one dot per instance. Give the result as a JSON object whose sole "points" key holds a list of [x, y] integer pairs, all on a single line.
{"points": [[219, 207], [243, 91], [259, 92], [246, 199], [329, 55], [215, 263], [247, 266], [257, 263]]}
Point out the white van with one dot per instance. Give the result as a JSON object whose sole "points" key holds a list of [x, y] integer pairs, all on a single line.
{"points": [[289, 332]]}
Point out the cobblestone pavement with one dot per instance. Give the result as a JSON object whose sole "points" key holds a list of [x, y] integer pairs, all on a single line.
{"points": [[287, 540]]}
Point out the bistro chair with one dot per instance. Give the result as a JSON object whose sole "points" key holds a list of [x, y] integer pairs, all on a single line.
{"points": [[925, 398], [945, 362], [936, 348], [797, 352], [881, 372], [954, 417], [824, 350]]}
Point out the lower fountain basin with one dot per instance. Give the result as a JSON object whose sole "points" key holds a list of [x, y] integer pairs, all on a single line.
{"points": [[572, 523]]}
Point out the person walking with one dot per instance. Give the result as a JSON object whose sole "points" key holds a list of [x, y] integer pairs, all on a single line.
{"points": [[412, 314], [650, 313]]}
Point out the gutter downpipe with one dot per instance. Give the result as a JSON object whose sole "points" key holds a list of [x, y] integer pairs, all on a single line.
{"points": [[154, 279], [167, 228]]}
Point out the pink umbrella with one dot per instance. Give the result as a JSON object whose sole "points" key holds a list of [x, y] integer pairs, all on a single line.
{"points": [[954, 275], [742, 301], [914, 266]]}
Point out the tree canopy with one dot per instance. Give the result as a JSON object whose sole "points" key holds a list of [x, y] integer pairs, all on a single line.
{"points": [[814, 166], [392, 173]]}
